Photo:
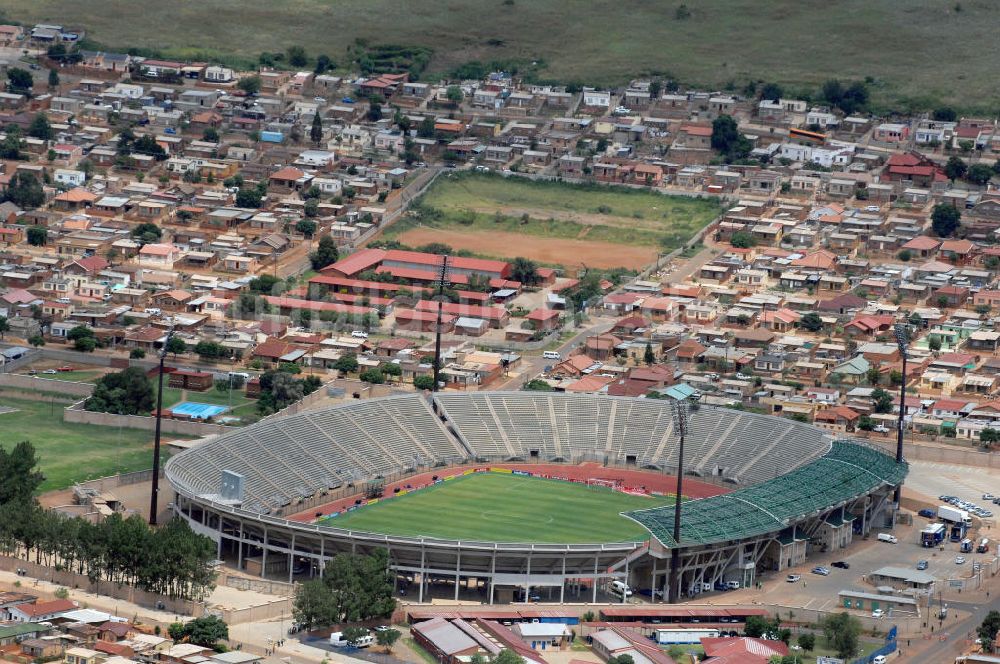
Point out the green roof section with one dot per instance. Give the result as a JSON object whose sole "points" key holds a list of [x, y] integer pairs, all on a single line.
{"points": [[847, 471]]}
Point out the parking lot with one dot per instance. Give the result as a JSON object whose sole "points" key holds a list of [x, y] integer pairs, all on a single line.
{"points": [[817, 592]]}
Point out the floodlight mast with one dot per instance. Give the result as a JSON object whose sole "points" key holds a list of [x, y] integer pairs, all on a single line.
{"points": [[680, 424], [154, 493], [902, 341]]}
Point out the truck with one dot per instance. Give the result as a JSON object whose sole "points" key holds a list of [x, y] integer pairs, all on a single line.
{"points": [[933, 534], [953, 514], [984, 545]]}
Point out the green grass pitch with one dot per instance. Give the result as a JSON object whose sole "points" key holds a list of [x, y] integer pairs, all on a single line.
{"points": [[501, 507]]}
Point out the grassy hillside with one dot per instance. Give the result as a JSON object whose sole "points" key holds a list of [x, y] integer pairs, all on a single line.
{"points": [[915, 51]]}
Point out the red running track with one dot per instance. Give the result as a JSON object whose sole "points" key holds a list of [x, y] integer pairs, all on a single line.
{"points": [[645, 480]]}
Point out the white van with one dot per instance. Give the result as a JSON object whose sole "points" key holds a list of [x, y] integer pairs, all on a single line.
{"points": [[732, 585], [620, 588], [551, 355], [337, 640], [886, 537], [879, 659]]}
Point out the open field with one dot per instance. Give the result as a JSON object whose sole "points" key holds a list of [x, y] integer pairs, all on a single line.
{"points": [[71, 453], [552, 222], [570, 253], [920, 50], [500, 507]]}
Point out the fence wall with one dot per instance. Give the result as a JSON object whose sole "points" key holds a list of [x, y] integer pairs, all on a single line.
{"points": [[275, 609], [942, 454], [77, 415], [42, 384], [255, 584], [106, 588]]}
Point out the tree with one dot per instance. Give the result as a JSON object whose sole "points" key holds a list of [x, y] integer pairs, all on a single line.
{"points": [[53, 78], [524, 270], [147, 233], [38, 236], [36, 340], [176, 346], [934, 343], [537, 385], [297, 56], [945, 219], [771, 92], [945, 114], [648, 357], [325, 254], [979, 174], [423, 382], [127, 392], [374, 113], [249, 198], [882, 401], [311, 208], [323, 63], [206, 631], [19, 476], [354, 587], [987, 631], [25, 191], [905, 255], [455, 94], [346, 363], [387, 637], [955, 168], [373, 376], [10, 147], [507, 656], [40, 127], [210, 350], [727, 139], [316, 130], [137, 353], [392, 369], [757, 627], [278, 390], [249, 84], [79, 333], [4, 326], [742, 240], [426, 127], [866, 423], [842, 631], [811, 322], [989, 436], [306, 227], [19, 81]]}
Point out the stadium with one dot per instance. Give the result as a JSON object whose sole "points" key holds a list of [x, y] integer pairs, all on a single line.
{"points": [[508, 496]]}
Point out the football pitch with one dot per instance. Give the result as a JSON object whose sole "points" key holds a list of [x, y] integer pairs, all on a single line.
{"points": [[501, 507]]}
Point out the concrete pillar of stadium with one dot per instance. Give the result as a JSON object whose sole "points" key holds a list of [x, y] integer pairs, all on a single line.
{"points": [[562, 587], [423, 576], [291, 558], [458, 576], [239, 554], [263, 561], [594, 581]]}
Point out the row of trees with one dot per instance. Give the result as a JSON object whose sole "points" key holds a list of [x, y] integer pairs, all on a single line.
{"points": [[280, 388], [172, 560]]}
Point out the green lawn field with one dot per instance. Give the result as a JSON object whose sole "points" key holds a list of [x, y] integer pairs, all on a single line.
{"points": [[240, 405], [917, 51], [71, 453], [500, 507], [505, 218]]}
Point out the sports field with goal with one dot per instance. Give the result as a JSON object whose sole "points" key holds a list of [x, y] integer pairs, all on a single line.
{"points": [[501, 507]]}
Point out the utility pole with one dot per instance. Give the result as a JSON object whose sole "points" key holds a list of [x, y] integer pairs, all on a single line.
{"points": [[442, 277], [680, 424], [902, 341], [156, 436]]}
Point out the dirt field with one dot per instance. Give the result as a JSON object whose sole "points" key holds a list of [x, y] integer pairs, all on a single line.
{"points": [[541, 249]]}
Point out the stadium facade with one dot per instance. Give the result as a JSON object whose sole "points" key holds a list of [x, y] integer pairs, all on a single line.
{"points": [[795, 490]]}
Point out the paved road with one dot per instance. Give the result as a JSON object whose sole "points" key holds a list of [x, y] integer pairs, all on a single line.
{"points": [[532, 365]]}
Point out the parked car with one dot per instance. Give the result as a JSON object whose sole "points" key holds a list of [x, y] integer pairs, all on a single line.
{"points": [[822, 571], [50, 371], [878, 613], [792, 578], [927, 513], [922, 565], [988, 496], [959, 560], [66, 368], [880, 429], [842, 564]]}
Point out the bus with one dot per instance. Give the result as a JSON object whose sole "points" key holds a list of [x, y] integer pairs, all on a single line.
{"points": [[932, 535], [984, 546]]}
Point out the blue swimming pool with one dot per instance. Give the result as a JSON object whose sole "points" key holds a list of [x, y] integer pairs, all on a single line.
{"points": [[198, 411]]}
